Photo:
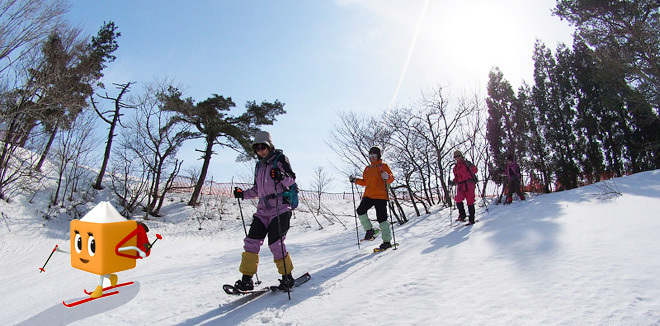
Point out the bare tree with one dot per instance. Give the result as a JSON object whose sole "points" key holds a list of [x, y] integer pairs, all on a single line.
{"points": [[73, 150], [441, 123], [156, 142], [16, 173], [474, 132], [320, 183], [16, 159], [352, 138], [23, 23], [129, 177], [411, 158], [210, 208], [113, 121]]}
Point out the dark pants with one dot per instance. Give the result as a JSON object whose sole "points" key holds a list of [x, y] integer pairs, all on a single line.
{"points": [[514, 187], [259, 231], [380, 204]]}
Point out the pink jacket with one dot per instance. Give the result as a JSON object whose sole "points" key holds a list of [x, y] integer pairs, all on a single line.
{"points": [[464, 171]]}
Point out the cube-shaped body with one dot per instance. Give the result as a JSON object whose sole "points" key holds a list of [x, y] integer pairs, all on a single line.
{"points": [[93, 246]]}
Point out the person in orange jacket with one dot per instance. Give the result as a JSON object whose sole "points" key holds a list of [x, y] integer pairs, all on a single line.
{"points": [[375, 178], [465, 181]]}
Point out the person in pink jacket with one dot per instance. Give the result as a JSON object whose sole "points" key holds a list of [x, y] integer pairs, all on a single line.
{"points": [[465, 181]]}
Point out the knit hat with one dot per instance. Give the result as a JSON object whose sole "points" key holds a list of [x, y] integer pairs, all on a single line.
{"points": [[458, 153], [263, 137], [375, 150]]}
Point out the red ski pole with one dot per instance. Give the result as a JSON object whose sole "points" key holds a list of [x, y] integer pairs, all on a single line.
{"points": [[51, 255], [152, 244]]}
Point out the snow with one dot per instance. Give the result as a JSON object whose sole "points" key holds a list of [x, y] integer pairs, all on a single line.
{"points": [[570, 258]]}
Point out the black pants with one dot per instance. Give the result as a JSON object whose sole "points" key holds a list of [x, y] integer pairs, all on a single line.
{"points": [[380, 204], [514, 187], [259, 231]]}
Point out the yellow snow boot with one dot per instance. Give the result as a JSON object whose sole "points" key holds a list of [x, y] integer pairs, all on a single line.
{"points": [[249, 263], [113, 279], [98, 292], [281, 262]]}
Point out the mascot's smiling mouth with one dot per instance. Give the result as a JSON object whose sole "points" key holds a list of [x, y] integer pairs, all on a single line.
{"points": [[85, 261]]}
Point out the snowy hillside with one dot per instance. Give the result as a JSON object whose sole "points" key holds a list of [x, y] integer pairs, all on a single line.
{"points": [[569, 258]]}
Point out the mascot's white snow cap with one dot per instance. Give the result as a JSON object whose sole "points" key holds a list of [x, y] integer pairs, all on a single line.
{"points": [[103, 213]]}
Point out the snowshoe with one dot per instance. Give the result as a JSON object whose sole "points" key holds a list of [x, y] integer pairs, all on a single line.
{"points": [[287, 282], [370, 235], [244, 284]]}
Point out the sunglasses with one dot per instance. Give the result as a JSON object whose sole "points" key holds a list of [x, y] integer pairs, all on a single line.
{"points": [[259, 147]]}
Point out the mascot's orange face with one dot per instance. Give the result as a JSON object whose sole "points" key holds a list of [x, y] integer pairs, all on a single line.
{"points": [[93, 246]]}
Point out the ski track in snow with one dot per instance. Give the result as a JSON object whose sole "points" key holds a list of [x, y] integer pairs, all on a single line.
{"points": [[566, 258]]}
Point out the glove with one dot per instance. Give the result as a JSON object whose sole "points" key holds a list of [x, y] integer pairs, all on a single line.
{"points": [[352, 179], [276, 174], [384, 175], [238, 193]]}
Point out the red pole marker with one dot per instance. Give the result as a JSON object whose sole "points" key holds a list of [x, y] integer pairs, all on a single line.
{"points": [[158, 237], [51, 254]]}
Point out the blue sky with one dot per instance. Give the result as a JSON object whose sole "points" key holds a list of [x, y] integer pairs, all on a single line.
{"points": [[318, 57]]}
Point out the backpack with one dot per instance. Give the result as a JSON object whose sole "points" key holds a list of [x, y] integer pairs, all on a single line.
{"points": [[140, 233], [469, 166], [291, 194]]}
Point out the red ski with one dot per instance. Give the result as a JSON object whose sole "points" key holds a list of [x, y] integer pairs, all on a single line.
{"points": [[112, 287], [75, 303]]}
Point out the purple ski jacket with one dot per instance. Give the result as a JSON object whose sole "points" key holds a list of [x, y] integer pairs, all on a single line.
{"points": [[264, 188]]}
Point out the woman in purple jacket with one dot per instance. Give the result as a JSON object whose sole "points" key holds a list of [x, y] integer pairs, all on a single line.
{"points": [[273, 175], [512, 172]]}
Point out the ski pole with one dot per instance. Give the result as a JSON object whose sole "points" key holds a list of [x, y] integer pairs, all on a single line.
{"points": [[158, 237], [451, 195], [51, 255], [387, 192], [357, 234], [279, 231], [451, 207], [245, 229]]}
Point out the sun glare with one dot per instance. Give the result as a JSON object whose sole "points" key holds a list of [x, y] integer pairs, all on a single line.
{"points": [[471, 37]]}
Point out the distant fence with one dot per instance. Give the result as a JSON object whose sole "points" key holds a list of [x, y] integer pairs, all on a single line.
{"points": [[186, 185], [226, 189]]}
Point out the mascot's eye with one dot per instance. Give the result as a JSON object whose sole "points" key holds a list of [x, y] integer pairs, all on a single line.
{"points": [[91, 245], [77, 241]]}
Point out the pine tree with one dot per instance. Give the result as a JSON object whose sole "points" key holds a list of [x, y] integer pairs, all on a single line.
{"points": [[213, 123], [554, 98], [499, 127]]}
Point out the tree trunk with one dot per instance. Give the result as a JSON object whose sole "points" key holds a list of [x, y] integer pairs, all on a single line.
{"points": [[42, 159], [202, 175], [108, 147]]}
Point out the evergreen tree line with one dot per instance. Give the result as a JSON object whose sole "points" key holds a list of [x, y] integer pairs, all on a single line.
{"points": [[592, 110]]}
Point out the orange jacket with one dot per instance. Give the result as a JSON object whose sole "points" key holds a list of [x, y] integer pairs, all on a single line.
{"points": [[372, 180]]}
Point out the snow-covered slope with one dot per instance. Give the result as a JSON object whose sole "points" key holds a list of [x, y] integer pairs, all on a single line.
{"points": [[566, 258]]}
